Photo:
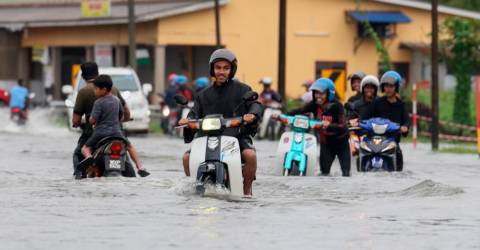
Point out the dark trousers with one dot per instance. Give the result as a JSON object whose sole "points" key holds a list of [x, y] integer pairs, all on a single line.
{"points": [[328, 151], [399, 158], [78, 157]]}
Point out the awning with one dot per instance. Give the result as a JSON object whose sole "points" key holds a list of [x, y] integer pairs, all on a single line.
{"points": [[379, 16]]}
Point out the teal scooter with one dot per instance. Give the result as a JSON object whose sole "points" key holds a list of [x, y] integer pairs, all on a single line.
{"points": [[297, 152]]}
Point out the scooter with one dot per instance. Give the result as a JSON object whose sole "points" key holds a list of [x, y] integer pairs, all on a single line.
{"points": [[378, 147], [108, 158], [18, 116], [215, 159], [269, 128], [297, 152]]}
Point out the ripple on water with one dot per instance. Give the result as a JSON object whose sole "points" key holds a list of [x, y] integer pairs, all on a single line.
{"points": [[429, 188]]}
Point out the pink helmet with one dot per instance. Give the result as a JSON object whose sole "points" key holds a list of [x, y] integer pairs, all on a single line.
{"points": [[172, 77]]}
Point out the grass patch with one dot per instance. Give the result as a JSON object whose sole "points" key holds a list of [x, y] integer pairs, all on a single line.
{"points": [[154, 127], [458, 150], [446, 102]]}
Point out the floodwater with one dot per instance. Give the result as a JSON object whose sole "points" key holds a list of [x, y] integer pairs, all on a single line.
{"points": [[433, 204]]}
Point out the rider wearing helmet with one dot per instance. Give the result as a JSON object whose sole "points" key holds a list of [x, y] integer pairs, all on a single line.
{"points": [[368, 88], [334, 133], [223, 97], [355, 81], [171, 91], [268, 94], [392, 107], [181, 82], [201, 83]]}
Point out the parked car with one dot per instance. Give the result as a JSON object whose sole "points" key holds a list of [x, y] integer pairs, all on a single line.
{"points": [[5, 86], [125, 80]]}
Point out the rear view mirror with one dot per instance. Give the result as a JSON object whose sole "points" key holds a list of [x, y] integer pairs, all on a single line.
{"points": [[250, 96], [67, 89], [147, 88], [180, 99]]}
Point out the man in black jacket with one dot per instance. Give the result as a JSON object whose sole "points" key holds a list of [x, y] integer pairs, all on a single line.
{"points": [[392, 107], [369, 88], [334, 134], [355, 82], [223, 97]]}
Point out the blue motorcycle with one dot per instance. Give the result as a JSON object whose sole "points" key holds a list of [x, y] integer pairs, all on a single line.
{"points": [[377, 147], [297, 152]]}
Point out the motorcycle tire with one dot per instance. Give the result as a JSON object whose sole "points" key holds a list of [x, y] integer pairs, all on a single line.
{"points": [[295, 171]]}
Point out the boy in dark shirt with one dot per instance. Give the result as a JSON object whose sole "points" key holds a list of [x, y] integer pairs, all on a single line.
{"points": [[105, 119]]}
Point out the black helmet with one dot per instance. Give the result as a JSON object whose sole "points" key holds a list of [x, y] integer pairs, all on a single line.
{"points": [[223, 54], [357, 75]]}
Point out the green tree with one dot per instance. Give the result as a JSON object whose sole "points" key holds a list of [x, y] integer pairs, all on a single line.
{"points": [[460, 49]]}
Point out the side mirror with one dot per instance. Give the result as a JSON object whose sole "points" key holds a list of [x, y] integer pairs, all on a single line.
{"points": [[147, 88], [250, 96], [31, 95], [180, 99], [67, 89], [348, 106], [69, 103]]}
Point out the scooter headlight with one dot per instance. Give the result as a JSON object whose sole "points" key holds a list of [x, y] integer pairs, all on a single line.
{"points": [[211, 124], [364, 146], [166, 111], [298, 138], [300, 123], [390, 146]]}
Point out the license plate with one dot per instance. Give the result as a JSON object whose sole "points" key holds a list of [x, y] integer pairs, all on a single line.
{"points": [[115, 164]]}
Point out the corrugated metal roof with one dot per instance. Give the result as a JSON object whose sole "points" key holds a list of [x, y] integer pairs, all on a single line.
{"points": [[66, 15]]}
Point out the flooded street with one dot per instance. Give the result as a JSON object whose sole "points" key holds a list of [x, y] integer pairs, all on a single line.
{"points": [[433, 204]]}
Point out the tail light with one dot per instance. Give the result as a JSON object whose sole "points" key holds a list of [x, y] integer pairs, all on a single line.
{"points": [[16, 110], [116, 149]]}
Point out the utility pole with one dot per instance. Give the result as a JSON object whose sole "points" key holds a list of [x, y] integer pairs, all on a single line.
{"points": [[217, 24], [282, 46], [132, 58], [434, 75]]}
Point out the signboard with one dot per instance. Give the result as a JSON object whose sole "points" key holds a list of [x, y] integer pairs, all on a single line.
{"points": [[336, 71], [103, 55], [95, 8]]}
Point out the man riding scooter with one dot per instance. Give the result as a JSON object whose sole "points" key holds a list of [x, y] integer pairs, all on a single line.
{"points": [[223, 97], [368, 88], [272, 102], [19, 100], [392, 107], [334, 132], [83, 106]]}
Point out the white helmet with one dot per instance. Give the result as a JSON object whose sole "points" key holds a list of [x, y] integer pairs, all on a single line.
{"points": [[370, 80], [266, 80]]}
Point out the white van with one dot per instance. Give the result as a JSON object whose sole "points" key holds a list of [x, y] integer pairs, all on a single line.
{"points": [[126, 81]]}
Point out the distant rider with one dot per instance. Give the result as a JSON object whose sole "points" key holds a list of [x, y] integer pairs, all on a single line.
{"points": [[355, 81], [19, 98]]}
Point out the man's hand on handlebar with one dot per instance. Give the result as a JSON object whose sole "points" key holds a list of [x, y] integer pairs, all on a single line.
{"points": [[183, 121], [249, 118], [353, 122]]}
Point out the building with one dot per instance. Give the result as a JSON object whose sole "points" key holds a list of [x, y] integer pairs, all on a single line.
{"points": [[323, 38]]}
